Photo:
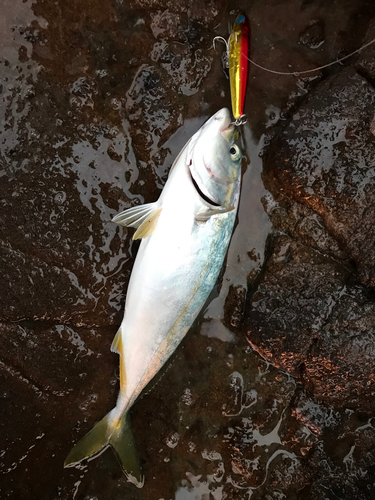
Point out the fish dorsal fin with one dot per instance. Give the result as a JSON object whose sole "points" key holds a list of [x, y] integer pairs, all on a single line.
{"points": [[148, 225], [204, 216], [142, 217]]}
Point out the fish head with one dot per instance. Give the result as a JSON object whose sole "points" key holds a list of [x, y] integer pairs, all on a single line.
{"points": [[214, 158]]}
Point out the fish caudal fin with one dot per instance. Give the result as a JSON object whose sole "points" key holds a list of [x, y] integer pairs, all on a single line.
{"points": [[123, 444], [114, 432], [91, 444]]}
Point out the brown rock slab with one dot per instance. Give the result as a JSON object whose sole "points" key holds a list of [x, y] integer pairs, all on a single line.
{"points": [[324, 159], [309, 318]]}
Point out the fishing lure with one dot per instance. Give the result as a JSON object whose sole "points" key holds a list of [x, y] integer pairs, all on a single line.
{"points": [[240, 35], [238, 49]]}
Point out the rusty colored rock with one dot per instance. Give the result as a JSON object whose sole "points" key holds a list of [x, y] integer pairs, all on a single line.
{"points": [[323, 159], [309, 318]]}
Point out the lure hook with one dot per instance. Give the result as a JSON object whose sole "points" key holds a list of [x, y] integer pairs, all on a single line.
{"points": [[225, 58], [220, 39]]}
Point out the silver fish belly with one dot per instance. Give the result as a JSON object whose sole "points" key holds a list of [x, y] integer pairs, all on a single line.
{"points": [[185, 235]]}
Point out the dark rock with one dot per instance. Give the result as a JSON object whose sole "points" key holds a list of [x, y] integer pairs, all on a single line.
{"points": [[40, 397], [324, 159], [307, 317], [234, 306], [313, 36], [332, 481], [365, 63], [303, 224]]}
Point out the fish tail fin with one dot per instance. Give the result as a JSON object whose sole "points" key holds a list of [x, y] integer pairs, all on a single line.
{"points": [[92, 443], [112, 431], [123, 444]]}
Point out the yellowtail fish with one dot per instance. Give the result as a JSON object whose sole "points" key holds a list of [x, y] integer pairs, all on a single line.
{"points": [[185, 235], [238, 65]]}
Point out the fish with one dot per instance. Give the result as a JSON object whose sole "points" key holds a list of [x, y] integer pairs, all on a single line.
{"points": [[185, 236], [238, 49]]}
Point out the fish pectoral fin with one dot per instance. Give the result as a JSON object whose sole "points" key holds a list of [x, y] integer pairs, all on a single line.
{"points": [[204, 216], [148, 225], [135, 216], [143, 217]]}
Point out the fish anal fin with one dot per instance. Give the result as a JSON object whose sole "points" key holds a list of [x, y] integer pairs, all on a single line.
{"points": [[117, 347], [204, 216], [148, 226]]}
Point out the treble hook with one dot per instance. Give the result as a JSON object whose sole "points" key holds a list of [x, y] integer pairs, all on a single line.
{"points": [[226, 53]]}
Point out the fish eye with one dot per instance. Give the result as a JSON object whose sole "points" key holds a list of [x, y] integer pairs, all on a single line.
{"points": [[235, 152]]}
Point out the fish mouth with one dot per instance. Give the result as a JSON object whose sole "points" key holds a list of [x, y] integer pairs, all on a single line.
{"points": [[226, 128], [227, 131]]}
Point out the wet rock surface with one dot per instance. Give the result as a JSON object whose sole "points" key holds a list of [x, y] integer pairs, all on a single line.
{"points": [[308, 318], [324, 159], [311, 312], [96, 101], [234, 306]]}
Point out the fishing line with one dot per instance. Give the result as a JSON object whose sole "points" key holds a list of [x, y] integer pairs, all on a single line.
{"points": [[295, 73]]}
